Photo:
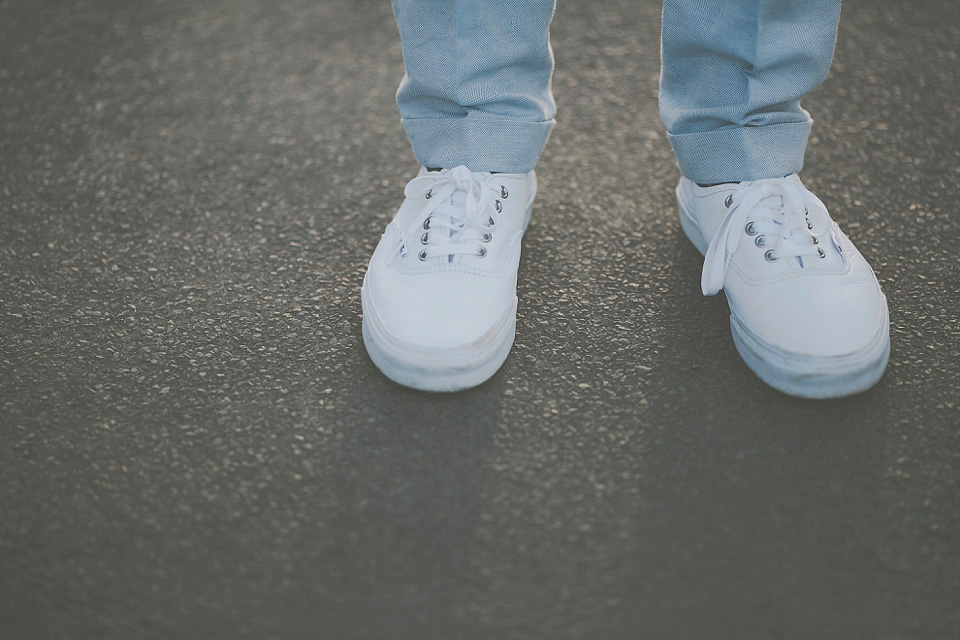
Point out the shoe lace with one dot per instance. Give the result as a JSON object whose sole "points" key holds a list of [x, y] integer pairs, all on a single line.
{"points": [[765, 208], [461, 212]]}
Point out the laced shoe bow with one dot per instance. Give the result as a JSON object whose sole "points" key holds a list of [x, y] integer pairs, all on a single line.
{"points": [[777, 209], [462, 210]]}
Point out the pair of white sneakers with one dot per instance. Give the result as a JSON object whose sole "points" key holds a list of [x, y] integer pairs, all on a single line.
{"points": [[806, 311]]}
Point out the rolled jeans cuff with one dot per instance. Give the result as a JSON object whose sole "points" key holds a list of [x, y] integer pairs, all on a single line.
{"points": [[480, 144], [737, 153]]}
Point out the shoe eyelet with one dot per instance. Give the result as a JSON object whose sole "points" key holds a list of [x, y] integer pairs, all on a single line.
{"points": [[769, 257], [422, 255], [429, 194], [820, 251], [423, 238], [815, 241], [491, 222], [809, 224], [750, 229], [498, 206], [481, 251], [426, 223], [504, 193], [760, 241], [487, 237], [729, 201]]}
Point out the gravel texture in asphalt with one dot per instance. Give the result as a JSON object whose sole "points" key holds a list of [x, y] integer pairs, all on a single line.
{"points": [[194, 444]]}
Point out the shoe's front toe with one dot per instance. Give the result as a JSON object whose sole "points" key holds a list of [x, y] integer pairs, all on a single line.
{"points": [[434, 338], [443, 311], [813, 335], [815, 316]]}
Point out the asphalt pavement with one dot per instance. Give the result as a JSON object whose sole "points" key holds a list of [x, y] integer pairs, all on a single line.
{"points": [[194, 444]]}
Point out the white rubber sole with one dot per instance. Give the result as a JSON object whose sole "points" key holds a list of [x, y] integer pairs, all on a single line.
{"points": [[446, 370], [815, 378], [796, 374]]}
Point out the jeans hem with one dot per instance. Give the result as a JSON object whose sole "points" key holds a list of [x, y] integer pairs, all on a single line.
{"points": [[480, 144], [736, 153]]}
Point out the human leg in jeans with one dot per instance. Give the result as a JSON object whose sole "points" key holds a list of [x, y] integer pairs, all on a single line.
{"points": [[807, 313], [439, 297]]}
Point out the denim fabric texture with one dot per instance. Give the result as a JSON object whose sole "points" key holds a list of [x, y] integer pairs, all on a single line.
{"points": [[732, 75], [477, 86]]}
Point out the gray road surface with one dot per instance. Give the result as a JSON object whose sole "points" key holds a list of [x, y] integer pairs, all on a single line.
{"points": [[193, 443]]}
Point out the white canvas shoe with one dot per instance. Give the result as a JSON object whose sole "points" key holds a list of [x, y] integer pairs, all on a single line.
{"points": [[440, 293], [806, 310]]}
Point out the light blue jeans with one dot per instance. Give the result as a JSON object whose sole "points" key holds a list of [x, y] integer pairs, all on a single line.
{"points": [[477, 86]]}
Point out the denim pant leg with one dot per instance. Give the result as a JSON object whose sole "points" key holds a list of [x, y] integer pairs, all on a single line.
{"points": [[477, 86], [732, 77]]}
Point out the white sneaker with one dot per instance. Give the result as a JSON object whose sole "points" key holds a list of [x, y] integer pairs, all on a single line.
{"points": [[440, 294], [806, 310]]}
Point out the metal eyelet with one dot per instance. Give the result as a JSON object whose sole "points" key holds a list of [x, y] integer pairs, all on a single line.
{"points": [[769, 257], [750, 229], [820, 251], [422, 255], [815, 241], [760, 241], [487, 237], [504, 193], [498, 206], [809, 224], [491, 222], [426, 223], [423, 238], [429, 194], [481, 251], [729, 201]]}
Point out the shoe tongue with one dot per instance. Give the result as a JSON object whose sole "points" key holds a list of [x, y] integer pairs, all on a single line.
{"points": [[459, 202], [773, 202]]}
